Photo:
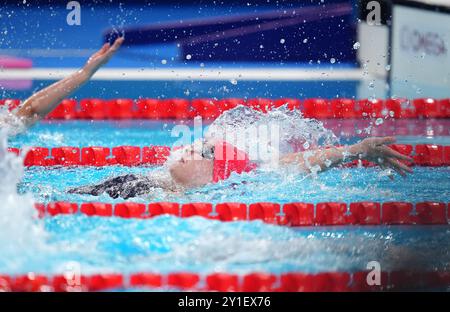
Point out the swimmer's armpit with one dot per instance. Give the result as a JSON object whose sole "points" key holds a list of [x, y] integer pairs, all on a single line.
{"points": [[372, 149], [43, 102]]}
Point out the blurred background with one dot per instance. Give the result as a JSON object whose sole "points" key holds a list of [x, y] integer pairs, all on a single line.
{"points": [[228, 48]]}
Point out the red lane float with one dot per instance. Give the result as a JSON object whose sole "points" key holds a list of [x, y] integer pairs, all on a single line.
{"points": [[399, 108], [210, 108], [147, 109], [127, 155], [222, 282], [229, 282], [66, 156], [95, 156], [65, 110], [174, 108], [146, 280], [10, 103], [268, 212], [423, 155], [119, 109], [344, 108], [365, 213], [298, 214], [163, 208], [96, 209], [231, 211], [292, 104], [230, 103], [317, 108], [370, 108], [429, 155], [261, 104], [92, 109], [289, 214], [129, 210], [206, 108], [196, 209], [155, 155], [331, 214]]}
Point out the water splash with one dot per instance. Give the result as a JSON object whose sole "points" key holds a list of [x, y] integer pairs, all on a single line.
{"points": [[21, 234], [291, 131]]}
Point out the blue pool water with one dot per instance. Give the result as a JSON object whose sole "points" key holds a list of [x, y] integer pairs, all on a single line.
{"points": [[50, 184], [426, 184], [167, 244], [80, 133]]}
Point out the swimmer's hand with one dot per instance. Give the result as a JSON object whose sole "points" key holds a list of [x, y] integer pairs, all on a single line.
{"points": [[102, 56], [376, 150]]}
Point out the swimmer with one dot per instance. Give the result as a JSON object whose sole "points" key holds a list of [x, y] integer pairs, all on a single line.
{"points": [[37, 106], [212, 161]]}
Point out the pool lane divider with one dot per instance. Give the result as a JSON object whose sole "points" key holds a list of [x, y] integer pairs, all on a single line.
{"points": [[229, 282], [208, 108], [294, 214], [423, 155]]}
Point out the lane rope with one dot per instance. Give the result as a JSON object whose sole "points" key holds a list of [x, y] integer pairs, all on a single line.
{"points": [[294, 214], [178, 108], [228, 282], [423, 155]]}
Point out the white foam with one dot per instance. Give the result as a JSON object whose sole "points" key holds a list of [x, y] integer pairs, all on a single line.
{"points": [[20, 230]]}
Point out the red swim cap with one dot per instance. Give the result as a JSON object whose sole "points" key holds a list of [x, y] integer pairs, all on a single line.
{"points": [[228, 159]]}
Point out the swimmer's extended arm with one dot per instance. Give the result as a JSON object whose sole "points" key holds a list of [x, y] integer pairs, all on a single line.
{"points": [[43, 102], [371, 149]]}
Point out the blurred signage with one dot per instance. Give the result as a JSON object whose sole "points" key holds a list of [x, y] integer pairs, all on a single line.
{"points": [[420, 60]]}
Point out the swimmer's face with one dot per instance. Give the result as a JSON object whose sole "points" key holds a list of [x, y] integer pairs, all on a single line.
{"points": [[194, 166]]}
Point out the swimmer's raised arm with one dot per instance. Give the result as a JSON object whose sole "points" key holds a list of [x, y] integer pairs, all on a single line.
{"points": [[43, 102], [371, 149]]}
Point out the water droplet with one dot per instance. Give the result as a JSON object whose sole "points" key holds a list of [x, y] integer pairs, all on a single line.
{"points": [[305, 40], [233, 81], [371, 84], [332, 60], [164, 62], [356, 45], [379, 121], [188, 57], [387, 67], [282, 41]]}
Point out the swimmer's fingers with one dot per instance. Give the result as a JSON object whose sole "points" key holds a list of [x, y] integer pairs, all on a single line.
{"points": [[384, 140], [389, 152], [102, 50], [107, 48], [399, 167], [116, 45], [102, 56]]}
